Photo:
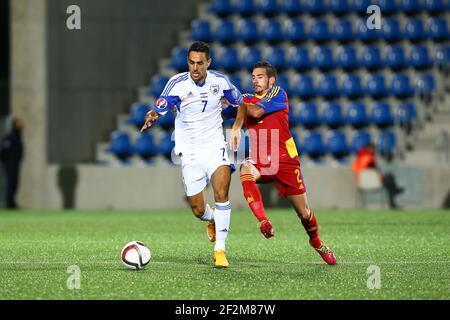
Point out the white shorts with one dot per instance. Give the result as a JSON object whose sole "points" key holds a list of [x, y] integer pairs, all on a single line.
{"points": [[198, 169]]}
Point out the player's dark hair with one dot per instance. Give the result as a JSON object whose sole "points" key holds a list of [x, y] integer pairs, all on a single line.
{"points": [[200, 46], [270, 69]]}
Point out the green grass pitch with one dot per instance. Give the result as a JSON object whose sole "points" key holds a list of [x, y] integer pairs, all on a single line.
{"points": [[411, 250]]}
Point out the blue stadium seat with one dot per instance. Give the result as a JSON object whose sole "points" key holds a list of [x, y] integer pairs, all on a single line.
{"points": [[298, 58], [401, 86], [250, 56], [294, 30], [388, 7], [167, 121], [296, 140], [424, 84], [247, 84], [386, 143], [247, 31], [290, 7], [442, 55], [337, 144], [342, 30], [236, 81], [283, 81], [351, 86], [179, 56], [144, 146], [228, 59], [304, 87], [419, 58], [166, 144], [410, 6], [200, 30], [414, 30], [405, 114], [346, 58], [312, 144], [438, 29], [137, 115], [391, 29], [294, 116], [360, 6], [221, 7], [322, 58], [376, 86], [158, 83], [266, 7], [327, 86], [243, 7], [361, 138], [224, 31], [120, 145], [270, 30], [370, 57], [308, 115], [357, 115], [338, 7], [381, 115], [364, 34], [276, 56], [332, 115], [434, 6], [314, 7], [319, 30], [395, 57]]}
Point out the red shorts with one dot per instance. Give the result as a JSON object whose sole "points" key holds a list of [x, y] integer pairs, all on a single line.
{"points": [[288, 178]]}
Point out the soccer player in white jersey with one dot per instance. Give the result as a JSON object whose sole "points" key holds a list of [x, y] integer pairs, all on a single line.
{"points": [[199, 140]]}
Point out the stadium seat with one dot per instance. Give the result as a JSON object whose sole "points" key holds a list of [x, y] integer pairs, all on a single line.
{"points": [[314, 7], [360, 6], [442, 55], [376, 86], [401, 86], [364, 34], [247, 84], [386, 143], [351, 86], [381, 115], [236, 81], [290, 7], [338, 7], [308, 115], [243, 7], [419, 58], [370, 57], [391, 29], [304, 87], [137, 115], [327, 86], [319, 30], [434, 6], [337, 144], [120, 145], [342, 30], [322, 58], [361, 138], [283, 82], [293, 30], [388, 7], [346, 57], [395, 57], [312, 144], [200, 30], [249, 56], [144, 146], [405, 114], [179, 56], [270, 31], [159, 82], [276, 56], [424, 85], [438, 29], [298, 58], [294, 116], [228, 59], [414, 30], [266, 7], [224, 31], [166, 144], [332, 115], [167, 121], [221, 7], [410, 6], [247, 31], [356, 115]]}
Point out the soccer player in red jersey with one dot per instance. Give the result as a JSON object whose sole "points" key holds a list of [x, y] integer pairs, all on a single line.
{"points": [[273, 155]]}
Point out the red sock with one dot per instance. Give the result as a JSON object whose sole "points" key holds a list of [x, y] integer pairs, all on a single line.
{"points": [[253, 196], [312, 228]]}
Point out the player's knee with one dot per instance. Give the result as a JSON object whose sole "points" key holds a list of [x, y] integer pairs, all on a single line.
{"points": [[198, 210], [303, 212], [221, 196]]}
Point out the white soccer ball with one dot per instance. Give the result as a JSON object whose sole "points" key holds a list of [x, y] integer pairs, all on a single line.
{"points": [[135, 255]]}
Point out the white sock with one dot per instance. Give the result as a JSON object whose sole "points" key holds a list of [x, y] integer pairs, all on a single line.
{"points": [[208, 215], [222, 219]]}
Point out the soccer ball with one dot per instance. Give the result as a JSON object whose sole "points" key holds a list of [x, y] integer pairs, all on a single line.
{"points": [[135, 255]]}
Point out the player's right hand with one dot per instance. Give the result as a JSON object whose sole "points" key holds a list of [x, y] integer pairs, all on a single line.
{"points": [[235, 139], [150, 117]]}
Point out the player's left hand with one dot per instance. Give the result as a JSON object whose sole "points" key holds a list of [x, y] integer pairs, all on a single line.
{"points": [[150, 118]]}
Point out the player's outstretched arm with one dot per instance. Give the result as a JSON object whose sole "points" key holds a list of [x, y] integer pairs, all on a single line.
{"points": [[150, 118], [236, 128], [254, 111]]}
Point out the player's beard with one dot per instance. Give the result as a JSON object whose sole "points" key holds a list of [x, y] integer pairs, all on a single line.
{"points": [[262, 89]]}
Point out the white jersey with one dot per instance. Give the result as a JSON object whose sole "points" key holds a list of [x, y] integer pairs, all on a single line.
{"points": [[198, 123]]}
